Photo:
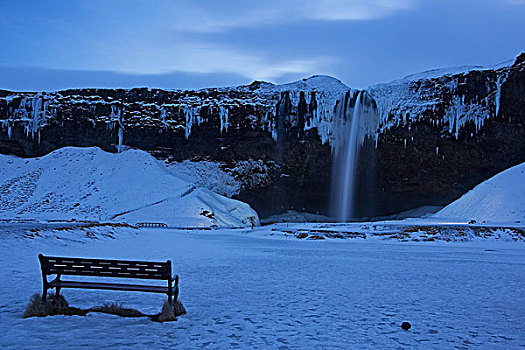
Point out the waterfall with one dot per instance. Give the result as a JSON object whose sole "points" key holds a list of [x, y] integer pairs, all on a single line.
{"points": [[352, 123]]}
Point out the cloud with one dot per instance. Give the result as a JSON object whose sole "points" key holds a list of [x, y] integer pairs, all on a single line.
{"points": [[200, 18], [203, 58], [160, 36], [341, 10]]}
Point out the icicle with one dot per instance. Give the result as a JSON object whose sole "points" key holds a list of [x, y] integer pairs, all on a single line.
{"points": [[35, 115], [189, 118], [456, 125], [437, 150], [120, 138], [197, 114], [274, 134], [223, 115], [163, 115], [501, 80]]}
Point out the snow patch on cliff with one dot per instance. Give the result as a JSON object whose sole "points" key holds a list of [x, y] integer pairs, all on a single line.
{"points": [[324, 83], [90, 184], [327, 91], [439, 72], [499, 199], [426, 94]]}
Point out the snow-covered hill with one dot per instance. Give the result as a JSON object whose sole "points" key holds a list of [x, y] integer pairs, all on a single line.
{"points": [[90, 184], [499, 199]]}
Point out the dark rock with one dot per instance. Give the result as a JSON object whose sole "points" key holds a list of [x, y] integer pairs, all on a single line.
{"points": [[406, 325]]}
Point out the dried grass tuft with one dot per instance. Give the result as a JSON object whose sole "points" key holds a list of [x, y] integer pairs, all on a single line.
{"points": [[52, 306], [117, 309], [60, 306], [169, 312]]}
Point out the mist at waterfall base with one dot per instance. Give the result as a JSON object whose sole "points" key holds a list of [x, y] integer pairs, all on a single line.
{"points": [[354, 119]]}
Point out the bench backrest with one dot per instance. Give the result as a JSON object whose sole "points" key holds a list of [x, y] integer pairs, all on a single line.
{"points": [[54, 265]]}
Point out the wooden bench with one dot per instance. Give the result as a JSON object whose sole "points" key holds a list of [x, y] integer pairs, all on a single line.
{"points": [[59, 266]]}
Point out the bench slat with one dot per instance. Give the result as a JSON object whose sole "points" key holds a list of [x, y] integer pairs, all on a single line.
{"points": [[102, 267], [82, 261], [109, 286]]}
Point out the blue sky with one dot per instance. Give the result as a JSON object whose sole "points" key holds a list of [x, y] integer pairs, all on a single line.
{"points": [[190, 44]]}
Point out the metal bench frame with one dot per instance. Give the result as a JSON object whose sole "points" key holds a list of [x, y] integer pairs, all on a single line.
{"points": [[59, 266]]}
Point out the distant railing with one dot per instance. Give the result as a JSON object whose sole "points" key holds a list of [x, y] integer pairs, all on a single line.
{"points": [[151, 224]]}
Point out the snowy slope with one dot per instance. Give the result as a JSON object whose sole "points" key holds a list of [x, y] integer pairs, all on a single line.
{"points": [[499, 199], [90, 184]]}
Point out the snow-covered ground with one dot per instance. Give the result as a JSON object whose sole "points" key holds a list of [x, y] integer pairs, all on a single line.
{"points": [[283, 286], [500, 198], [261, 289], [90, 184]]}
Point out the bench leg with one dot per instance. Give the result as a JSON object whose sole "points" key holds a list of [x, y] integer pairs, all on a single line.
{"points": [[170, 295], [57, 293], [44, 295], [173, 290], [176, 292]]}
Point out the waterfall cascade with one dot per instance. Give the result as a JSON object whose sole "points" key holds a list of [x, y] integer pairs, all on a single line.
{"points": [[355, 118]]}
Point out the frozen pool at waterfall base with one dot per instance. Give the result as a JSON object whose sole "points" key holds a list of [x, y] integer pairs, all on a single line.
{"points": [[266, 289]]}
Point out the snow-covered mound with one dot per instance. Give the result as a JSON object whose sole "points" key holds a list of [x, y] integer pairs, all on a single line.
{"points": [[324, 83], [90, 184], [499, 199]]}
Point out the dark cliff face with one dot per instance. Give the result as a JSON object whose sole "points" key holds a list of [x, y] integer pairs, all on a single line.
{"points": [[460, 130], [434, 138], [274, 124]]}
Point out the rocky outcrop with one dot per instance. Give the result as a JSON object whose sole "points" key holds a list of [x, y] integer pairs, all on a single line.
{"points": [[435, 136], [286, 127], [439, 136]]}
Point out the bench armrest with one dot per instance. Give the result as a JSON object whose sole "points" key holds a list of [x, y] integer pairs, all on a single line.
{"points": [[175, 278]]}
